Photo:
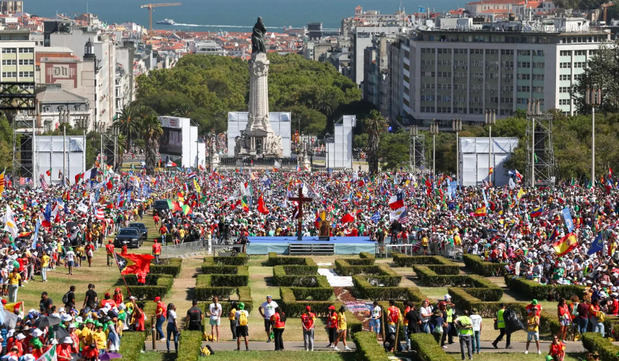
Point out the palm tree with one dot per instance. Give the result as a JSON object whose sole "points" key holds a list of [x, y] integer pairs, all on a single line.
{"points": [[127, 124], [375, 125], [150, 131]]}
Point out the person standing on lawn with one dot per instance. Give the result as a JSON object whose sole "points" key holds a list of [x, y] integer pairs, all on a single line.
{"points": [[308, 319], [156, 250], [332, 326], [476, 320], [232, 319], [267, 309], [194, 317], [214, 313], [532, 332], [242, 330], [279, 324], [465, 328], [342, 328], [500, 321], [109, 250]]}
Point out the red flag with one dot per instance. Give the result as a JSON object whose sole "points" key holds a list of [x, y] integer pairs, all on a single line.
{"points": [[109, 185], [134, 263], [347, 218], [261, 206], [48, 172], [78, 177]]}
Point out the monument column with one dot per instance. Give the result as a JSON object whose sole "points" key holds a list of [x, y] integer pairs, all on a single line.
{"points": [[258, 94]]}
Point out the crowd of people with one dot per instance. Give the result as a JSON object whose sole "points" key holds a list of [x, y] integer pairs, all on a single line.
{"points": [[60, 227]]}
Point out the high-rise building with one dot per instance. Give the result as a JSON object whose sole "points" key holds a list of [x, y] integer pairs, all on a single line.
{"points": [[17, 61], [446, 74]]}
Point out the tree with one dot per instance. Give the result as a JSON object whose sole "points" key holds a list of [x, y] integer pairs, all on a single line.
{"points": [[394, 150], [149, 132], [6, 141], [602, 72], [127, 124], [375, 125]]}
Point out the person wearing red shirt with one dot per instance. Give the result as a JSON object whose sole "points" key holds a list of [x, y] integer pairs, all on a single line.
{"points": [[565, 317], [307, 320], [118, 296], [107, 300], [534, 307], [109, 249], [279, 323], [156, 251], [137, 317], [160, 316], [332, 325], [63, 350], [557, 349]]}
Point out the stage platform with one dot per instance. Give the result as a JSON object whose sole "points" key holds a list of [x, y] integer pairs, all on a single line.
{"points": [[310, 245]]}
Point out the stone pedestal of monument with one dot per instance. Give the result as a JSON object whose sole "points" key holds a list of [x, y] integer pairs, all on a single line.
{"points": [[258, 139]]}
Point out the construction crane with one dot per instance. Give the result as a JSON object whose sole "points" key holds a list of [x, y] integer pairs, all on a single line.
{"points": [[150, 11]]}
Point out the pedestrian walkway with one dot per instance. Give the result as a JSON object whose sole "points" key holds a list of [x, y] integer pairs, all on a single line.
{"points": [[518, 347], [256, 346]]}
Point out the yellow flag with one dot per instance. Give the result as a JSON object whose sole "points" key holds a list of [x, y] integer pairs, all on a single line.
{"points": [[1, 183], [520, 193], [196, 186]]}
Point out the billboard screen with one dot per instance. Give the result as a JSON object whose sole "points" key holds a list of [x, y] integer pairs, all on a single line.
{"points": [[171, 142]]}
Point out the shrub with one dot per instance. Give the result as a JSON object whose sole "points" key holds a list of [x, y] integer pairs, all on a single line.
{"points": [[189, 346], [368, 349], [211, 268], [170, 266], [364, 289], [238, 260], [378, 274], [484, 268], [532, 289], [275, 260], [244, 295], [131, 345], [205, 290], [156, 285], [241, 278], [282, 277], [438, 264], [294, 308], [427, 348], [595, 342]]}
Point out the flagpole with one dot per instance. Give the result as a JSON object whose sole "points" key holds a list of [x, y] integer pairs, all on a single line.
{"points": [[122, 276]]}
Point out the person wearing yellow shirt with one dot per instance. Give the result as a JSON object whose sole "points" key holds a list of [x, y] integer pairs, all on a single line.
{"points": [[45, 259], [14, 284], [342, 327], [425, 244], [533, 332], [85, 335], [99, 337]]}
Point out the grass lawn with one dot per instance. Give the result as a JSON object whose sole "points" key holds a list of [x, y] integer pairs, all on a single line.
{"points": [[511, 356], [280, 356]]}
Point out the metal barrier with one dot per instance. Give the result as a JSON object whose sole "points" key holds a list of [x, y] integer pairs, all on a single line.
{"points": [[177, 250], [387, 250]]}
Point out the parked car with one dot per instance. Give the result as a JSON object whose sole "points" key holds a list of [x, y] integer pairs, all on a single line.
{"points": [[132, 237], [160, 206], [142, 229]]}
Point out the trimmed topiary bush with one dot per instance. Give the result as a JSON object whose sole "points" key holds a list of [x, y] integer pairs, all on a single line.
{"points": [[595, 342], [368, 349], [132, 344], [427, 349], [481, 267], [189, 346], [170, 266], [532, 289]]}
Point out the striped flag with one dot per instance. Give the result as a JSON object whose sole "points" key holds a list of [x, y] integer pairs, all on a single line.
{"points": [[1, 183], [50, 355], [99, 214]]}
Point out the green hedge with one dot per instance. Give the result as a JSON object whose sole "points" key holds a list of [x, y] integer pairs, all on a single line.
{"points": [[211, 268], [170, 266], [427, 349], [368, 349], [294, 308], [379, 274], [365, 259], [156, 285], [532, 289], [363, 289], [131, 345], [189, 346], [241, 278], [475, 285], [438, 264], [484, 268], [238, 260], [295, 276], [275, 260], [205, 289], [593, 341]]}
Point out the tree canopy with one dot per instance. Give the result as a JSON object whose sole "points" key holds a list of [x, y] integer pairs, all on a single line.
{"points": [[205, 88]]}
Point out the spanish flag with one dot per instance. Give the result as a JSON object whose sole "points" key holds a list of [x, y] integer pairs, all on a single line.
{"points": [[565, 244], [480, 212]]}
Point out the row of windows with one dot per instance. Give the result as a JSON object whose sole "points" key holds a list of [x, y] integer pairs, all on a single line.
{"points": [[564, 89], [14, 50], [564, 101], [15, 62], [564, 77], [13, 74]]}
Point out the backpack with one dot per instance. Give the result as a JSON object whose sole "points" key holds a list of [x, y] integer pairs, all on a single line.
{"points": [[65, 298], [394, 315], [242, 318], [207, 351]]}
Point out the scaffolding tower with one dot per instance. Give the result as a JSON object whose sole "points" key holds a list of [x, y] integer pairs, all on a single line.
{"points": [[540, 150]]}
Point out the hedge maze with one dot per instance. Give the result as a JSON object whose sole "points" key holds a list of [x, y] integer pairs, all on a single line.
{"points": [[226, 277]]}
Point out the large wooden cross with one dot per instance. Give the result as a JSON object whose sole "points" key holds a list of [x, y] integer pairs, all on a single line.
{"points": [[300, 199]]}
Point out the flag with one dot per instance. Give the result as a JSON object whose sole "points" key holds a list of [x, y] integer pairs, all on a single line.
{"points": [[78, 177], [565, 244], [1, 183], [50, 355], [375, 217], [99, 214], [186, 209], [9, 222], [47, 215], [48, 172], [261, 206], [520, 193], [511, 183], [196, 186], [347, 218], [567, 219], [133, 263], [597, 245], [396, 201], [36, 234], [610, 172], [404, 217], [480, 212], [397, 214], [244, 204], [536, 212]]}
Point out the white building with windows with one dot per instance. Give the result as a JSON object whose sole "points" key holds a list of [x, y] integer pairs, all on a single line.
{"points": [[17, 59], [447, 74]]}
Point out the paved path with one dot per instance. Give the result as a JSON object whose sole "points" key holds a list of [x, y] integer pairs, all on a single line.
{"points": [[256, 346]]}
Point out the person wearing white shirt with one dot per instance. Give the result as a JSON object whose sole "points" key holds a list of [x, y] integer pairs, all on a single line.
{"points": [[476, 321], [214, 313], [267, 309], [425, 313]]}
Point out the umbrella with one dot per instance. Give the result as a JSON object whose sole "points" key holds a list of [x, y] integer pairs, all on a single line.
{"points": [[106, 356], [60, 332], [47, 321]]}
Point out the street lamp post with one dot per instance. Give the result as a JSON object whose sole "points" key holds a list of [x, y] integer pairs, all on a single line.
{"points": [[434, 132], [414, 132], [490, 121], [593, 98], [533, 110], [456, 124]]}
